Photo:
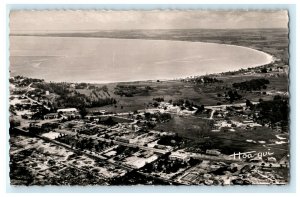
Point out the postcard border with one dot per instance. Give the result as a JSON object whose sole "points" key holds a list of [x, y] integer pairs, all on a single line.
{"points": [[289, 188]]}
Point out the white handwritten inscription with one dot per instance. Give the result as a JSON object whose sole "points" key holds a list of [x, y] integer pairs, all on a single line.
{"points": [[250, 155]]}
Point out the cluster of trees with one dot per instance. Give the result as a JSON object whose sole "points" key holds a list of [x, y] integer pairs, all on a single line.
{"points": [[183, 103], [131, 90], [61, 89], [48, 126], [36, 92], [206, 80], [17, 91], [102, 102], [160, 117], [135, 178], [24, 81], [40, 114], [167, 166], [91, 87], [14, 123], [264, 70], [73, 176], [253, 84], [81, 86], [186, 104], [232, 95], [200, 108], [83, 143], [107, 121], [69, 98], [158, 99], [250, 104], [96, 90], [126, 150], [273, 112], [20, 175], [170, 140], [81, 100], [76, 101]]}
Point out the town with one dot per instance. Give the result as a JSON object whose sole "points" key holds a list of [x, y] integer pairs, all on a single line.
{"points": [[81, 133]]}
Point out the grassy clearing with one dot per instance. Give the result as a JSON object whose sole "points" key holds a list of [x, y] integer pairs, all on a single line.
{"points": [[189, 127], [198, 131]]}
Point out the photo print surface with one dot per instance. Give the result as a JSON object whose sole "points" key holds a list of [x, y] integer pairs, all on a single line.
{"points": [[157, 97]]}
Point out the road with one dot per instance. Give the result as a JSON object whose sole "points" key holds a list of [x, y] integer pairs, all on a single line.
{"points": [[229, 105], [32, 100], [212, 114], [216, 107]]}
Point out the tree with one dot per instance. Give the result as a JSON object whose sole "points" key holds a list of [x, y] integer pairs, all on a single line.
{"points": [[83, 112], [14, 123], [249, 104], [104, 88], [264, 70]]}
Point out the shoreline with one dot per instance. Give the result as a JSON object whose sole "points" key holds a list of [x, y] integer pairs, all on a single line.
{"points": [[147, 80], [271, 60]]}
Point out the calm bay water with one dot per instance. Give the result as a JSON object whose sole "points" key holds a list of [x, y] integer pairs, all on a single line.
{"points": [[111, 60]]}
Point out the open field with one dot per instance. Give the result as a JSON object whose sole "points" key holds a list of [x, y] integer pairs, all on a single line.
{"points": [[199, 135], [189, 127]]}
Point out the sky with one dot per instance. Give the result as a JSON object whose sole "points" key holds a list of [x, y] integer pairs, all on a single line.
{"points": [[83, 20]]}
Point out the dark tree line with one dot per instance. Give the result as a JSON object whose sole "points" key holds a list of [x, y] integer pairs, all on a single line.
{"points": [[232, 95], [131, 90], [253, 84], [158, 99], [24, 81], [206, 80], [61, 89], [70, 98], [273, 111], [160, 117]]}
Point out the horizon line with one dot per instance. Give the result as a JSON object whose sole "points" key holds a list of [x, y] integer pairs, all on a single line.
{"points": [[250, 28]]}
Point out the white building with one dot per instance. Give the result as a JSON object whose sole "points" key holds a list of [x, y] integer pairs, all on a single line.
{"points": [[213, 152], [179, 156], [67, 110]]}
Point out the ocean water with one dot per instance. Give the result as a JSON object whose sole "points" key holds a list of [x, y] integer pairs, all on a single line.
{"points": [[100, 60]]}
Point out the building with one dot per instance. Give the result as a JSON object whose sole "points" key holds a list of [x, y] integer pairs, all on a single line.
{"points": [[272, 159], [69, 116], [67, 110], [51, 116], [213, 152], [163, 147], [122, 139], [177, 156]]}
